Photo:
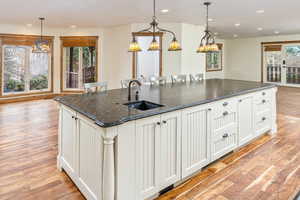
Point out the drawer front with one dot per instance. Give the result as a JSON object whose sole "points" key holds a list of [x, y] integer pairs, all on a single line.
{"points": [[262, 105], [262, 96], [262, 122], [224, 107], [224, 141]]}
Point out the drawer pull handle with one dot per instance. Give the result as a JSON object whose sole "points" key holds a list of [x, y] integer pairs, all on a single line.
{"points": [[164, 122], [158, 123], [225, 113], [263, 101], [225, 103], [209, 109], [225, 135], [263, 119]]}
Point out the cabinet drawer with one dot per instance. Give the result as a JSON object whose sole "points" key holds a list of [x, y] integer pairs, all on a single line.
{"points": [[224, 108], [262, 96], [262, 105], [224, 141], [262, 122]]}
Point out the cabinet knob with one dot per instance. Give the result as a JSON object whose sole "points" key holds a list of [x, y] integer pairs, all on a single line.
{"points": [[225, 113], [263, 101], [164, 121], [240, 100], [225, 103], [225, 135], [263, 119], [209, 109], [73, 117], [158, 123], [264, 93]]}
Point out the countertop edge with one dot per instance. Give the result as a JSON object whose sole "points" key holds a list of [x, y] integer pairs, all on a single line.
{"points": [[149, 114]]}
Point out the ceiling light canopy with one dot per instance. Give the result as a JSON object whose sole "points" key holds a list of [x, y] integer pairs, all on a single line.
{"points": [[41, 45], [207, 43], [164, 10], [154, 29], [260, 11]]}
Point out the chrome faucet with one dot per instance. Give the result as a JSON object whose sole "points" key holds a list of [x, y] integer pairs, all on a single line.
{"points": [[129, 88]]}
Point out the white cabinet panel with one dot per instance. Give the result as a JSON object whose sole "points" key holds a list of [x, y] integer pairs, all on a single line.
{"points": [[262, 122], [223, 141], [147, 131], [90, 150], [68, 139], [245, 120], [195, 139], [169, 146]]}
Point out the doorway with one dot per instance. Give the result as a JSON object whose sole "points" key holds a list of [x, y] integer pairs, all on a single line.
{"points": [[281, 63]]}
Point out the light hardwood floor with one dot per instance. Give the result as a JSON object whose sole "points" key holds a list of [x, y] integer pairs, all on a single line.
{"points": [[268, 168]]}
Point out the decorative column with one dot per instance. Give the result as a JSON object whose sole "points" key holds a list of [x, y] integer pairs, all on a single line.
{"points": [[109, 168]]}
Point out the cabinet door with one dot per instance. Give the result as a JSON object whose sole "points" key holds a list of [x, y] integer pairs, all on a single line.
{"points": [[169, 147], [245, 120], [68, 139], [195, 139], [89, 151], [147, 131]]}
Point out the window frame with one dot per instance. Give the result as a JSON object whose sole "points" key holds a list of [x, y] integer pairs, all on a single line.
{"points": [[62, 72], [135, 54], [220, 54], [26, 38]]}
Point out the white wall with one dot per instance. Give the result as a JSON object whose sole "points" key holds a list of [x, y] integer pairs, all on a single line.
{"points": [[243, 56]]}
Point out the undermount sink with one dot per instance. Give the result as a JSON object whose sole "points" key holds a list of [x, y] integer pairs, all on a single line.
{"points": [[142, 105]]}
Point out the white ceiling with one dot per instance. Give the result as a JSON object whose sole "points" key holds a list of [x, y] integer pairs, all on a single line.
{"points": [[279, 15]]}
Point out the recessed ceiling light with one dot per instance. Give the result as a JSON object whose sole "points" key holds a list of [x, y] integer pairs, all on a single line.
{"points": [[276, 32], [210, 19], [29, 25], [259, 29], [73, 26], [237, 24], [235, 35], [216, 33], [260, 11], [164, 10]]}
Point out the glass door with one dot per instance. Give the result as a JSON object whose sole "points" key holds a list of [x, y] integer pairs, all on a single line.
{"points": [[291, 64], [282, 64]]}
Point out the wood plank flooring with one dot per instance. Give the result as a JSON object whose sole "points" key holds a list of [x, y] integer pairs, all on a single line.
{"points": [[268, 168]]}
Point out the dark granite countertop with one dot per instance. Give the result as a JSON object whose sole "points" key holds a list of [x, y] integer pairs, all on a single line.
{"points": [[107, 109]]}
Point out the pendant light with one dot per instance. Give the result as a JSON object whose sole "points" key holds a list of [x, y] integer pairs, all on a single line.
{"points": [[154, 29], [207, 43], [41, 45]]}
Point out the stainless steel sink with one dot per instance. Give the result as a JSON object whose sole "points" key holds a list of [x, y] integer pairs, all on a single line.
{"points": [[142, 105]]}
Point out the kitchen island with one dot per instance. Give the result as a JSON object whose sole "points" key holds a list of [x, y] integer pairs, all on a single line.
{"points": [[112, 150]]}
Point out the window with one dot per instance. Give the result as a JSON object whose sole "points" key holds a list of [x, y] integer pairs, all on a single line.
{"points": [[24, 72], [79, 62], [214, 60], [147, 63]]}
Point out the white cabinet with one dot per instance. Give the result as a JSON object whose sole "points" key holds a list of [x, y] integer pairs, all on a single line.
{"points": [[157, 153], [68, 140], [224, 124], [245, 119], [195, 139], [81, 153], [147, 132], [89, 151]]}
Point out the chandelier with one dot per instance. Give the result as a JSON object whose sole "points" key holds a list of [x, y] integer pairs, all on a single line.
{"points": [[154, 29], [41, 45], [207, 43]]}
